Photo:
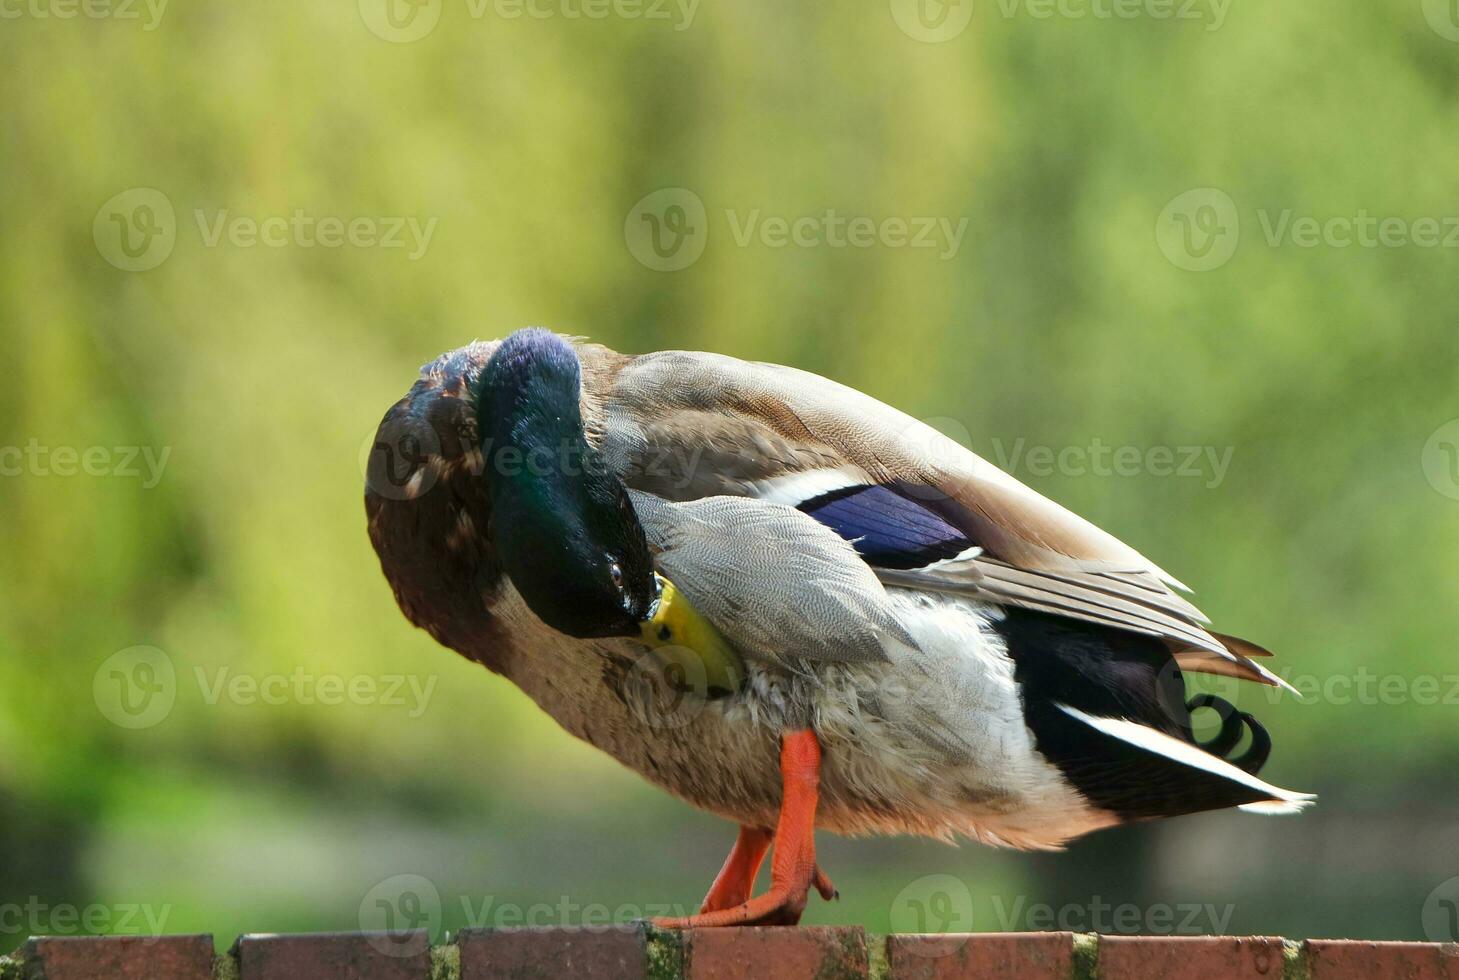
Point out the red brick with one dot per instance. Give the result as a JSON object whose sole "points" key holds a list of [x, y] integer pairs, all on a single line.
{"points": [[335, 956], [119, 957], [1346, 959], [995, 956], [1191, 957], [774, 952], [550, 952]]}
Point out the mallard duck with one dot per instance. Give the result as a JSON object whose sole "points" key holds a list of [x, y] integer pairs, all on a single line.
{"points": [[791, 605]]}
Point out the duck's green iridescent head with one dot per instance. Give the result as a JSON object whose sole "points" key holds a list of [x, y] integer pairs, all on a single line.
{"points": [[562, 524]]}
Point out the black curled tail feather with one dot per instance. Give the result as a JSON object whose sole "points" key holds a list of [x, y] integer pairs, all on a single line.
{"points": [[1071, 673], [1234, 724]]}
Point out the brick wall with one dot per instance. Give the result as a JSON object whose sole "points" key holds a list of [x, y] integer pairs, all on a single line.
{"points": [[765, 954]]}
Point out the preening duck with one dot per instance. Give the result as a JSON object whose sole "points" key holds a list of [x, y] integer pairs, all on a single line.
{"points": [[791, 605]]}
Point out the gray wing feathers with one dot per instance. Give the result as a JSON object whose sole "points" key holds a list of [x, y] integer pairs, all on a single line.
{"points": [[1121, 601], [778, 585], [684, 424]]}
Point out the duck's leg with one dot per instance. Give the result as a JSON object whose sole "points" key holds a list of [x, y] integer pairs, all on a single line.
{"points": [[793, 869], [733, 884]]}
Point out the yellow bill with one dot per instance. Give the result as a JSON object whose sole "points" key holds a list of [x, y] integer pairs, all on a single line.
{"points": [[680, 636]]}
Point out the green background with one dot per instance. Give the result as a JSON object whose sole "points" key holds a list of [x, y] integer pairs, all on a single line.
{"points": [[1063, 320]]}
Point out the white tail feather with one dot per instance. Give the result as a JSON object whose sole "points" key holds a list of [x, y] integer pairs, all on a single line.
{"points": [[1144, 737], [1275, 808]]}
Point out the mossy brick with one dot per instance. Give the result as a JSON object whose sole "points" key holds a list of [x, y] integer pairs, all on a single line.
{"points": [[118, 958], [550, 952], [994, 956], [1348, 959], [335, 956], [776, 953], [1192, 957]]}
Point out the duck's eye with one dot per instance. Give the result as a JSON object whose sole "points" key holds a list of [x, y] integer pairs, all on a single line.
{"points": [[665, 634], [616, 574]]}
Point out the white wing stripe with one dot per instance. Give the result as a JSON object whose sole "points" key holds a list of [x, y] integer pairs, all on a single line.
{"points": [[794, 489]]}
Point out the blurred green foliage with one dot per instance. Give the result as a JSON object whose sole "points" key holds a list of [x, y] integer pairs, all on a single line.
{"points": [[1326, 371]]}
